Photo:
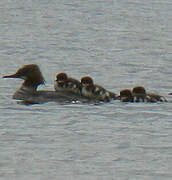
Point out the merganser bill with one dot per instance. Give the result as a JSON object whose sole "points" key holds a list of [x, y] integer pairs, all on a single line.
{"points": [[94, 91], [67, 84], [32, 77]]}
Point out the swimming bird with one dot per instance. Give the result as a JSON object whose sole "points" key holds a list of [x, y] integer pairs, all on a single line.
{"points": [[67, 84], [94, 91], [139, 94], [28, 92], [126, 96]]}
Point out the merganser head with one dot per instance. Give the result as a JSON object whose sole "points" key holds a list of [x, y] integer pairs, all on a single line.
{"points": [[86, 81], [31, 74], [61, 77], [126, 95]]}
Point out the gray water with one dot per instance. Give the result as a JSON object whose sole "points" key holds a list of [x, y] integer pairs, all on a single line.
{"points": [[120, 44]]}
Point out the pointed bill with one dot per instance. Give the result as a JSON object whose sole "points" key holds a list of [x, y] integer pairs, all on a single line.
{"points": [[11, 76]]}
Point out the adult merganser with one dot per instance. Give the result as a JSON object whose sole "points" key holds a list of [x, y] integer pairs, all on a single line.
{"points": [[138, 94], [32, 77], [67, 84], [94, 91]]}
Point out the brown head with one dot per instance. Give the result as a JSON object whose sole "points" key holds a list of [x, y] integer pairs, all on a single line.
{"points": [[30, 73], [126, 95], [61, 77], [86, 81]]}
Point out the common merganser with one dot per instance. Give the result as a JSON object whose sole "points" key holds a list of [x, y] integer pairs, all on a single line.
{"points": [[67, 84], [126, 96], [32, 77], [139, 94], [94, 91]]}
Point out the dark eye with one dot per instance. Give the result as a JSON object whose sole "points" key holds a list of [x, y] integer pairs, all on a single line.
{"points": [[61, 78]]}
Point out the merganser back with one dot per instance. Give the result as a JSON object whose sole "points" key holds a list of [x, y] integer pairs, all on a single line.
{"points": [[32, 77]]}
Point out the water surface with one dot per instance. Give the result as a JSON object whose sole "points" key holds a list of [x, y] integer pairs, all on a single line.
{"points": [[120, 44]]}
